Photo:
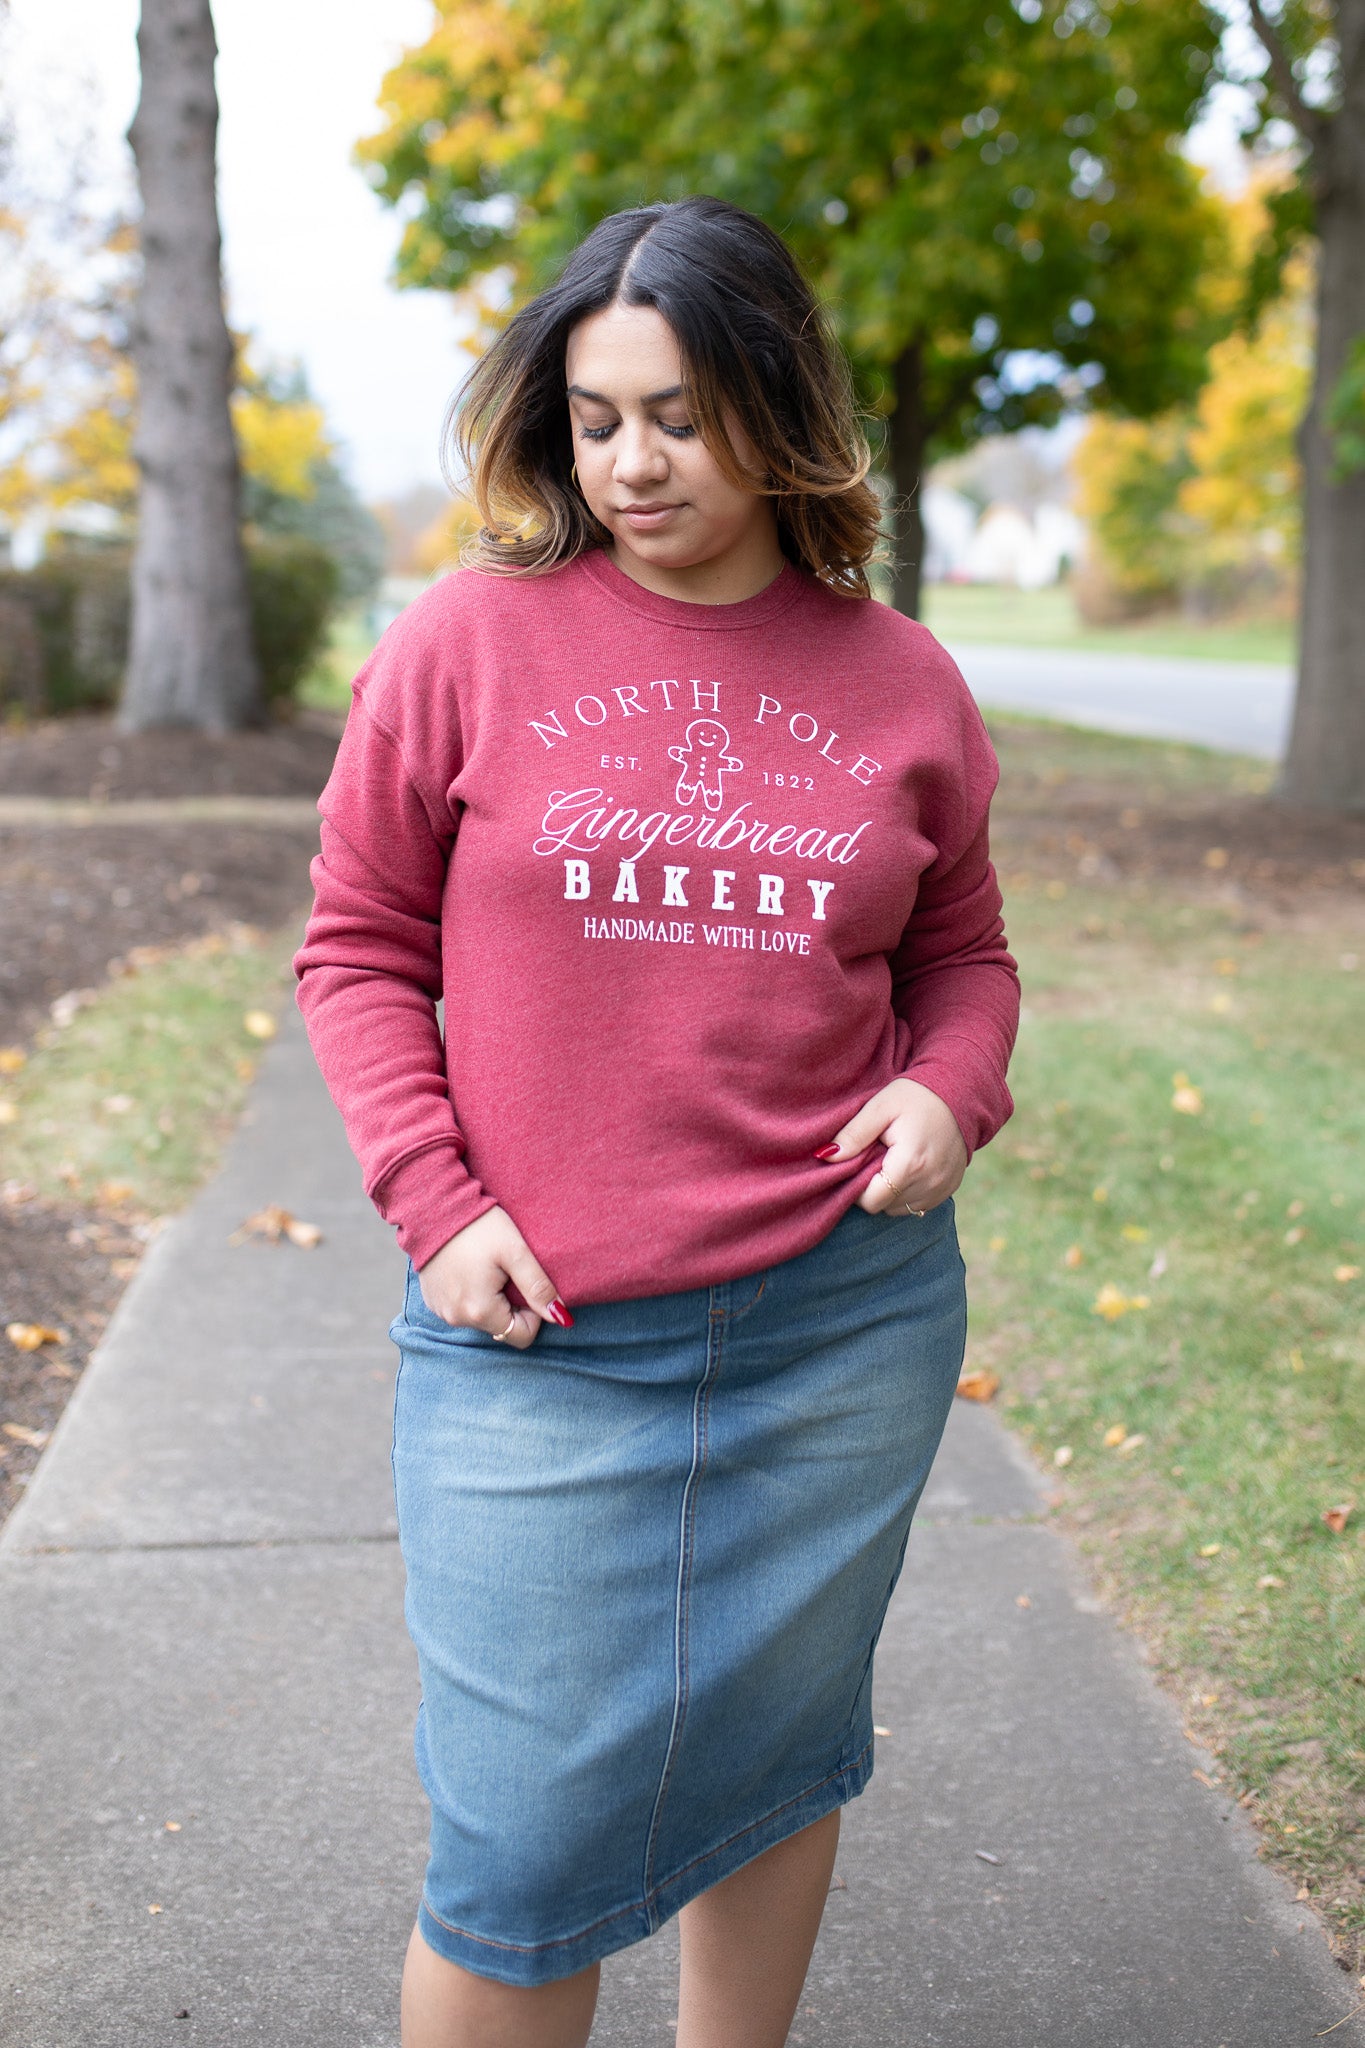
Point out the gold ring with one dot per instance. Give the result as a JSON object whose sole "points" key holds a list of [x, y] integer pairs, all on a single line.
{"points": [[500, 1337]]}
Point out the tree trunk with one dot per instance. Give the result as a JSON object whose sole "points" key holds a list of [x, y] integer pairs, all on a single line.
{"points": [[191, 659], [1325, 764], [909, 435]]}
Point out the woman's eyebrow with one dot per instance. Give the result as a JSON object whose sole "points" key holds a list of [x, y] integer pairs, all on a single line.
{"points": [[650, 397]]}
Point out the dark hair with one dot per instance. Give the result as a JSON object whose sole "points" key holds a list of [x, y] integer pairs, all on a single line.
{"points": [[751, 335]]}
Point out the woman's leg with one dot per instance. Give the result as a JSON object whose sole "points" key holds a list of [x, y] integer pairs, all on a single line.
{"points": [[746, 1944], [447, 2007]]}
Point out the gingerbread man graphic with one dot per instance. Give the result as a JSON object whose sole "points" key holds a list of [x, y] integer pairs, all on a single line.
{"points": [[704, 761]]}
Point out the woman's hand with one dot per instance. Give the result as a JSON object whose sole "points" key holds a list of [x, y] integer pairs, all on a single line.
{"points": [[464, 1281], [925, 1154]]}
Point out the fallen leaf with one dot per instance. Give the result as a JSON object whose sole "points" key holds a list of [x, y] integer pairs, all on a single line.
{"points": [[1336, 1518], [1294, 1209], [1221, 1004], [978, 1385], [1114, 1436], [272, 1223], [1135, 1233], [1157, 1267], [260, 1024], [1204, 1779], [1227, 965], [1130, 1444], [1345, 1273], [1063, 1455], [246, 1068], [1022, 1600], [1111, 1302], [9, 1111], [118, 1105], [1216, 857], [28, 1336], [1210, 1549], [881, 1731], [1099, 1194], [17, 1433], [1296, 1235], [1268, 1582], [156, 1909], [1188, 1099], [1072, 1256], [985, 1856], [997, 1244], [12, 1058], [1208, 1699], [172, 1827], [112, 1191], [1296, 1360]]}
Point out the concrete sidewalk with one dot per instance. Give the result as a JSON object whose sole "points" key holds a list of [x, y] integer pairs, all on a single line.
{"points": [[207, 1695]]}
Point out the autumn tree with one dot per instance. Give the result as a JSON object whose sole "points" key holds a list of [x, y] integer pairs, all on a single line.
{"points": [[191, 658], [1315, 79], [989, 196]]}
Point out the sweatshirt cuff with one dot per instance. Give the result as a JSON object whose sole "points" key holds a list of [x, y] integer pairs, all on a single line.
{"points": [[977, 1120], [430, 1197]]}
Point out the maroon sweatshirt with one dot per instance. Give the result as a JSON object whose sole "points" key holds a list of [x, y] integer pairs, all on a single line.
{"points": [[694, 880]]}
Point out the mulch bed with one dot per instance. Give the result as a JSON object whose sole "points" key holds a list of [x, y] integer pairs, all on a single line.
{"points": [[86, 757]]}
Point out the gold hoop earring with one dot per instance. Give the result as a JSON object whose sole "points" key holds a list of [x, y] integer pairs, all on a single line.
{"points": [[573, 472]]}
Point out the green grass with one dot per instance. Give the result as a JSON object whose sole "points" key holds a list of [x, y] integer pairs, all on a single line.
{"points": [[139, 1090], [1047, 618], [1238, 1393], [327, 686]]}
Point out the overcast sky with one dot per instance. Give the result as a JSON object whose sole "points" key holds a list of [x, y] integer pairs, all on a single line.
{"points": [[307, 246]]}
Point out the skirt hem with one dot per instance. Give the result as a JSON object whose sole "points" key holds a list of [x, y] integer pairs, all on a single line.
{"points": [[531, 1963]]}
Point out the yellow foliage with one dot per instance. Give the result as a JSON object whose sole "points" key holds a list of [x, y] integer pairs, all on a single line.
{"points": [[1212, 490], [439, 547], [1244, 495], [280, 441]]}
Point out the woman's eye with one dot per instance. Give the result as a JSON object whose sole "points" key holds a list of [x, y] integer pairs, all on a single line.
{"points": [[678, 433], [595, 433], [675, 433]]}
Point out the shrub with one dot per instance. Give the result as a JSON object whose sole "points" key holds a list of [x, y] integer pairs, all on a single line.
{"points": [[293, 589], [64, 625]]}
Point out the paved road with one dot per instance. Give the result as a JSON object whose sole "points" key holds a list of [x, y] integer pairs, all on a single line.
{"points": [[200, 1608], [1240, 706]]}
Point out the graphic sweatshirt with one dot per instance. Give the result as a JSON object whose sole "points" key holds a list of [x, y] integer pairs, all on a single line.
{"points": [[694, 881]]}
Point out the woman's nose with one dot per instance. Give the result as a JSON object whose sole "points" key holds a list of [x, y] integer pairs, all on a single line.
{"points": [[639, 458]]}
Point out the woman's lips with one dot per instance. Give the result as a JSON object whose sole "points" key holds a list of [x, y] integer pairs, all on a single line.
{"points": [[645, 517]]}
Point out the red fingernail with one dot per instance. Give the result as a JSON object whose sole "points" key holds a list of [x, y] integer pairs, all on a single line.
{"points": [[559, 1314], [828, 1152]]}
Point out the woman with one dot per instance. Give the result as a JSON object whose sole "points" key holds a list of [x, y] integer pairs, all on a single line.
{"points": [[692, 837]]}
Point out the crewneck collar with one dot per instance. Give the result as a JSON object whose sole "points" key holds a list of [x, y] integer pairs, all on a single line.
{"points": [[775, 598]]}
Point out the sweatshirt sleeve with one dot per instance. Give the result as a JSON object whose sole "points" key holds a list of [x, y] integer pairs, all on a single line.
{"points": [[953, 978], [369, 978]]}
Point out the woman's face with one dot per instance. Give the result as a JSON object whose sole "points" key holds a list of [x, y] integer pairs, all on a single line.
{"points": [[643, 468]]}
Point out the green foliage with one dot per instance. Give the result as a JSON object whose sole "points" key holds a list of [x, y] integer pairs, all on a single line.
{"points": [[971, 177], [65, 624], [293, 589], [1346, 414]]}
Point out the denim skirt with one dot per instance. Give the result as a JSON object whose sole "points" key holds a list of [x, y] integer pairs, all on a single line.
{"points": [[648, 1560]]}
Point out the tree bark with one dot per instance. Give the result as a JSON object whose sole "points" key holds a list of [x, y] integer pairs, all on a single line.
{"points": [[1324, 768], [909, 436], [191, 659]]}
